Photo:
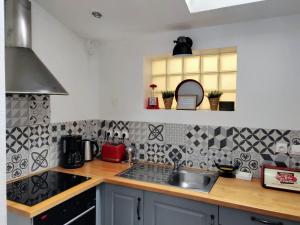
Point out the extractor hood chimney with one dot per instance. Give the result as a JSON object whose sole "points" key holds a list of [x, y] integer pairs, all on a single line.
{"points": [[24, 72]]}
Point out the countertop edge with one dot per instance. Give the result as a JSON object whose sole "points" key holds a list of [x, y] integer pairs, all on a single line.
{"points": [[35, 210], [102, 172], [210, 200]]}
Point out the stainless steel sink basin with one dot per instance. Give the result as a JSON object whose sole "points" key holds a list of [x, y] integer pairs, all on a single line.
{"points": [[200, 181]]}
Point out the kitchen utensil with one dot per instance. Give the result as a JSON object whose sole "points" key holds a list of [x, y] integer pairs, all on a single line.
{"points": [[190, 87], [91, 149], [227, 170], [72, 151], [113, 152]]}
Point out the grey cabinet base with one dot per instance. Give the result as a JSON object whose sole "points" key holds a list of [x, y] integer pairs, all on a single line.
{"points": [[122, 206], [166, 210], [238, 217]]}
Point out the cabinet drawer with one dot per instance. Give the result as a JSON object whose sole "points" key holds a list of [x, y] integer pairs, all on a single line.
{"points": [[166, 210], [237, 217], [122, 206]]}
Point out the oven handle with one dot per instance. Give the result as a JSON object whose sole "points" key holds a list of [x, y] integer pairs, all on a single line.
{"points": [[80, 215]]}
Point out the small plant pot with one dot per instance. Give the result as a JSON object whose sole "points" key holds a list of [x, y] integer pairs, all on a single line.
{"points": [[214, 103], [168, 102]]}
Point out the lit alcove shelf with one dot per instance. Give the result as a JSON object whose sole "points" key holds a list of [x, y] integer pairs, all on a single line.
{"points": [[214, 69], [203, 117]]}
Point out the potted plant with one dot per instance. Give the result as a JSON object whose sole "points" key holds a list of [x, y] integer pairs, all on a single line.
{"points": [[168, 97], [214, 98]]}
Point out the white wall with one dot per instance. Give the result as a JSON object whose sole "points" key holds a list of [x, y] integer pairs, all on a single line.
{"points": [[268, 74], [2, 121], [67, 57]]}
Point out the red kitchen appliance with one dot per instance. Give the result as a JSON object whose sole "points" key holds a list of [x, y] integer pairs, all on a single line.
{"points": [[113, 152]]}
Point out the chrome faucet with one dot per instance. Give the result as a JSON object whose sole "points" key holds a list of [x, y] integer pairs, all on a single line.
{"points": [[177, 165], [130, 152]]}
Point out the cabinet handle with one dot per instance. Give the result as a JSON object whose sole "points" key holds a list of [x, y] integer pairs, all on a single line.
{"points": [[138, 210], [264, 221], [212, 220]]}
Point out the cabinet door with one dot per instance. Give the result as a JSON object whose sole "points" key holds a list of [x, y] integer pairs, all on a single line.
{"points": [[122, 206], [165, 210], [237, 217]]}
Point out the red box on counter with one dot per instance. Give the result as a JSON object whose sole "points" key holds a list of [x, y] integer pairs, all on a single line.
{"points": [[113, 152]]}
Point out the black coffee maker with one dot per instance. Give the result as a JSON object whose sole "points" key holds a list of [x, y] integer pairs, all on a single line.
{"points": [[72, 151]]}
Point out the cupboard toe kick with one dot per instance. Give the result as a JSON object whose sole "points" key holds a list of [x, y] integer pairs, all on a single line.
{"points": [[127, 206]]}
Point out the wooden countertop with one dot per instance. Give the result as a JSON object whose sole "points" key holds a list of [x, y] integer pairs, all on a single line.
{"points": [[232, 193]]}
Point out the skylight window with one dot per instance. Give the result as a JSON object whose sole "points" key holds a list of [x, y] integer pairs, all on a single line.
{"points": [[206, 5]]}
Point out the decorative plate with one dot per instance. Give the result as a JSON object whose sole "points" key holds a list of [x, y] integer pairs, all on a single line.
{"points": [[190, 87]]}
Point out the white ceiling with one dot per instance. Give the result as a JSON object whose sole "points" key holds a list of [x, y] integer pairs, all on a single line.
{"points": [[126, 18], [205, 5]]}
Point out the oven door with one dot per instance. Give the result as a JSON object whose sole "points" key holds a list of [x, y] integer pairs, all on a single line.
{"points": [[87, 217], [79, 210]]}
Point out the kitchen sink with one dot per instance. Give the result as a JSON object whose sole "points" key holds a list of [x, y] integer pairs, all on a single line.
{"points": [[188, 179], [191, 179]]}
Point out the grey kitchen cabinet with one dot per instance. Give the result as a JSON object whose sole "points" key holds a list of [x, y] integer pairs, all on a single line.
{"points": [[166, 210], [122, 206], [237, 217]]}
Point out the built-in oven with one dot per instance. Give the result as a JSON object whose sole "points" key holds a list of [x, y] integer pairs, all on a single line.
{"points": [[79, 210]]}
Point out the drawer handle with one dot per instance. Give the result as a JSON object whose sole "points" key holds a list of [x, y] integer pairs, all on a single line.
{"points": [[138, 210], [212, 220], [264, 221]]}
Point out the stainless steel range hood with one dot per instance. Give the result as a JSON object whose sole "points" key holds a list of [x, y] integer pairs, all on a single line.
{"points": [[24, 72]]}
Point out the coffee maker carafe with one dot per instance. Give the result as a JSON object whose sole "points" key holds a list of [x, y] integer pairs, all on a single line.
{"points": [[72, 151]]}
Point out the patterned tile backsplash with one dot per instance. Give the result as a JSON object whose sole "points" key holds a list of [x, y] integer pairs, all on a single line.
{"points": [[32, 141]]}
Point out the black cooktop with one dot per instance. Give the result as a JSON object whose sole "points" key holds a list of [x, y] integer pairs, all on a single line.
{"points": [[37, 188]]}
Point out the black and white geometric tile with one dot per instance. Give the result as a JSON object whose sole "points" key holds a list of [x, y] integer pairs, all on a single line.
{"points": [[197, 158], [295, 162], [138, 132], [17, 139], [39, 159], [220, 138], [91, 128], [140, 151], [220, 156], [39, 136], [281, 160], [246, 140], [16, 164], [39, 110], [57, 130], [248, 161], [76, 127], [156, 133], [175, 133], [17, 114], [54, 155], [294, 137], [100, 141], [155, 153], [268, 140], [295, 140], [34, 148], [121, 126], [196, 136], [103, 126], [275, 159], [175, 153]]}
